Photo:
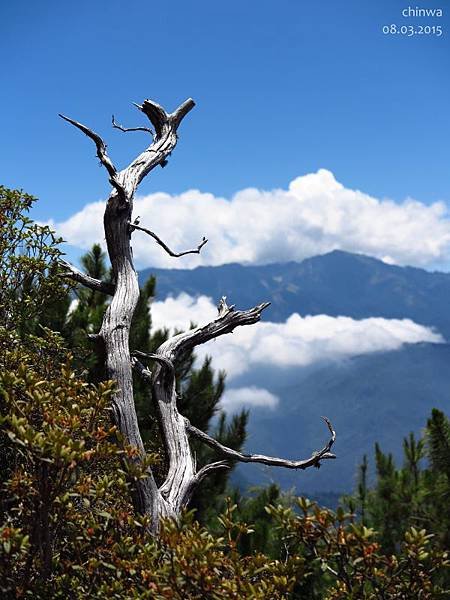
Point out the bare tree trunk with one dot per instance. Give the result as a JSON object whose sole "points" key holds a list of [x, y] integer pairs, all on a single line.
{"points": [[115, 332], [182, 476]]}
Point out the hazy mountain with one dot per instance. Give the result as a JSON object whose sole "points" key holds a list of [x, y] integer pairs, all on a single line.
{"points": [[338, 283], [376, 397]]}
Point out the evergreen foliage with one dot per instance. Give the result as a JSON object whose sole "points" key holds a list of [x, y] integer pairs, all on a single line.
{"points": [[416, 494]]}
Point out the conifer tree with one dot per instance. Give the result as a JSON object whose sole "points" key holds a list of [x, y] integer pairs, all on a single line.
{"points": [[86, 318], [385, 507], [438, 430], [362, 489], [416, 494], [438, 477]]}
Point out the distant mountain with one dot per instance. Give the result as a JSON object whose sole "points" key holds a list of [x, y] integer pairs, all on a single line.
{"points": [[373, 397], [379, 397], [338, 283]]}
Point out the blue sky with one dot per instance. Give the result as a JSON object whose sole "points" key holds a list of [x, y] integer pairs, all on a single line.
{"points": [[282, 89]]}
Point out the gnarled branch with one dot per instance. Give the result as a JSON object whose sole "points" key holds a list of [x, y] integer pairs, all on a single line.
{"points": [[183, 477], [199, 477], [126, 129], [164, 141], [101, 153], [226, 322], [163, 245], [177, 116], [90, 282], [234, 455], [158, 116]]}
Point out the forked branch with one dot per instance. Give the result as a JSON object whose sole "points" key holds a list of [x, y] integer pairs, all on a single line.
{"points": [[226, 322], [75, 274], [163, 245], [126, 129], [164, 141], [183, 477], [234, 455], [160, 119], [101, 153]]}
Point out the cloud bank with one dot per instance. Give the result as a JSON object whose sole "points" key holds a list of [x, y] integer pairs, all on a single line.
{"points": [[315, 215], [248, 397], [298, 342]]}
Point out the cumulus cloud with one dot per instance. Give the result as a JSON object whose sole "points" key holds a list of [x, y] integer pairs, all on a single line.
{"points": [[180, 312], [248, 397], [316, 214], [298, 342]]}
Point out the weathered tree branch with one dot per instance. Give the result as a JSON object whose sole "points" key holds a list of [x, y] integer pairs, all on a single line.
{"points": [[126, 129], [163, 245], [96, 285], [159, 118], [178, 115], [234, 455], [166, 124], [101, 153], [165, 139], [226, 322]]}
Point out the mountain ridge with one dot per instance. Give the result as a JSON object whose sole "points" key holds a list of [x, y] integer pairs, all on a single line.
{"points": [[337, 283]]}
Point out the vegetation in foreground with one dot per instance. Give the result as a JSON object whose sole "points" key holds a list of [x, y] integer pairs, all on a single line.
{"points": [[67, 524]]}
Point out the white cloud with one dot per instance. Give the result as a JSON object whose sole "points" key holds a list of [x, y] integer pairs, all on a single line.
{"points": [[180, 312], [248, 397], [298, 342], [316, 214]]}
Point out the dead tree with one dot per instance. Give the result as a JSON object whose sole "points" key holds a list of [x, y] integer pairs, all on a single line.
{"points": [[183, 476]]}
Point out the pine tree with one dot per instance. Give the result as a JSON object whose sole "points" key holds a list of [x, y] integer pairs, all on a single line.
{"points": [[417, 494], [86, 317], [438, 476], [438, 438], [385, 506], [362, 489]]}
